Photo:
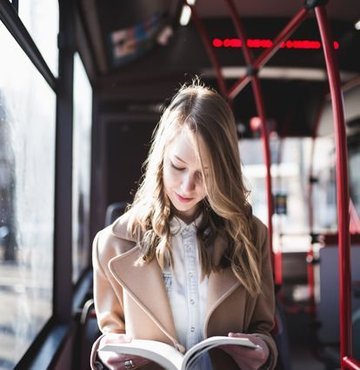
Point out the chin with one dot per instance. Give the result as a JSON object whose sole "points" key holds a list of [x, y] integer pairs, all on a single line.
{"points": [[181, 208]]}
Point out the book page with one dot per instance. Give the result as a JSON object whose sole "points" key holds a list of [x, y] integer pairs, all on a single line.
{"points": [[196, 351], [161, 353]]}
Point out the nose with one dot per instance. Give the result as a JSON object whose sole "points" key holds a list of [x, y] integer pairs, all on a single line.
{"points": [[188, 183]]}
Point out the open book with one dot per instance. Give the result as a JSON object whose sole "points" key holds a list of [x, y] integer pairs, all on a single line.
{"points": [[168, 356]]}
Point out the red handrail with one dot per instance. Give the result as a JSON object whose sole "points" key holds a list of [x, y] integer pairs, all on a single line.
{"points": [[268, 53], [260, 107], [347, 362], [342, 191], [350, 363], [212, 56], [267, 156]]}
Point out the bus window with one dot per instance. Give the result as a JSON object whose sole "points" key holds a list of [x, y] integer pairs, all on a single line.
{"points": [[44, 33], [81, 168], [27, 159]]}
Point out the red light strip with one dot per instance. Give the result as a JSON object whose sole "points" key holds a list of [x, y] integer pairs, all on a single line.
{"points": [[267, 43]]}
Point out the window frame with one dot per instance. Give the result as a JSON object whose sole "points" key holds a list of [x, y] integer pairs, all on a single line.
{"points": [[67, 298]]}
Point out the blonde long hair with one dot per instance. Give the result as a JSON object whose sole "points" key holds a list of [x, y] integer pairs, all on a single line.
{"points": [[226, 210]]}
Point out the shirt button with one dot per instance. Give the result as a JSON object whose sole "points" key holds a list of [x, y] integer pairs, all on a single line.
{"points": [[192, 329], [190, 274], [192, 301]]}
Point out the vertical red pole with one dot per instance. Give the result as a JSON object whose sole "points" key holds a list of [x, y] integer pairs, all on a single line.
{"points": [[267, 156], [209, 49], [259, 102], [342, 190]]}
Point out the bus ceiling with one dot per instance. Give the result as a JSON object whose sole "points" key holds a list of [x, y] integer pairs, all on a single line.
{"points": [[139, 49]]}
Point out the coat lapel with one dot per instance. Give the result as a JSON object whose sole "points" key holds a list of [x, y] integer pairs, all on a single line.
{"points": [[221, 283], [145, 285]]}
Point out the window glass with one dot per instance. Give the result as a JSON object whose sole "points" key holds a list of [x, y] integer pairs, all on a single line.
{"points": [[254, 172], [41, 18], [81, 167], [290, 160], [324, 189], [27, 142], [354, 175]]}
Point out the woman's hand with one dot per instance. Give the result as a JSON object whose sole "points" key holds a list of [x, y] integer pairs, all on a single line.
{"points": [[248, 358], [115, 361]]}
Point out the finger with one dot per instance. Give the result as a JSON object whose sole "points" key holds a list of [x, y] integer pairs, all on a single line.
{"points": [[257, 355], [252, 338], [116, 338], [118, 361]]}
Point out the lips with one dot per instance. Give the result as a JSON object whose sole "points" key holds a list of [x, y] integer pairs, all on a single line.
{"points": [[183, 199]]}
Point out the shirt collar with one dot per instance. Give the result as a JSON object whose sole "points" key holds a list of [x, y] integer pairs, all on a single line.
{"points": [[177, 225]]}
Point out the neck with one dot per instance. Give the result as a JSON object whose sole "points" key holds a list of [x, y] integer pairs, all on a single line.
{"points": [[188, 219]]}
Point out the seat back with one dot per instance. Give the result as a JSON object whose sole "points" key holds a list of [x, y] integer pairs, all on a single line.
{"points": [[114, 211], [356, 334]]}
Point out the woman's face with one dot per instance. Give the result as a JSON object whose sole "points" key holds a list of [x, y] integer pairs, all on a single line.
{"points": [[182, 175]]}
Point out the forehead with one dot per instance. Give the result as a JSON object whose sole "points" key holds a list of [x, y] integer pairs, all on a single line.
{"points": [[188, 147]]}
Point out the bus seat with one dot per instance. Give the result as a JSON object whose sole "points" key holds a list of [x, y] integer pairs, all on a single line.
{"points": [[328, 306], [88, 330], [280, 336], [114, 211], [356, 334]]}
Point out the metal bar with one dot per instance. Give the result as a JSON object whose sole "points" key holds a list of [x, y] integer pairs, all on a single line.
{"points": [[283, 35], [266, 153], [15, 4], [260, 106], [240, 31], [342, 190], [17, 29], [210, 51], [63, 286], [350, 363], [268, 53]]}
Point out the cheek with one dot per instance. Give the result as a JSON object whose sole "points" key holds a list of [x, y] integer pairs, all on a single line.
{"points": [[168, 178]]}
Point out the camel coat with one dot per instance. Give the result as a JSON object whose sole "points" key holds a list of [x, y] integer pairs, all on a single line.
{"points": [[132, 299]]}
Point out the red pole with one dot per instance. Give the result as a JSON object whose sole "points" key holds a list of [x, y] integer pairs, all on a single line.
{"points": [[209, 49], [266, 151], [283, 35], [268, 53], [342, 190], [259, 102], [350, 363], [240, 31]]}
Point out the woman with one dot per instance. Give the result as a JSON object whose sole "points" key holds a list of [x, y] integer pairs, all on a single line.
{"points": [[188, 260]]}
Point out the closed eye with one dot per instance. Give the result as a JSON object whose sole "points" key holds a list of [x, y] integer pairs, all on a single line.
{"points": [[176, 168]]}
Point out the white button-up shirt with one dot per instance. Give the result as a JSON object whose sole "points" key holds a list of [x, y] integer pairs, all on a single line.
{"points": [[186, 290]]}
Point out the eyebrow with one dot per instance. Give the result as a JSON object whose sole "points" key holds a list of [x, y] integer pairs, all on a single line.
{"points": [[181, 160], [178, 158]]}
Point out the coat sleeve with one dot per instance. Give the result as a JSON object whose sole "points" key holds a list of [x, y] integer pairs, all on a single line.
{"points": [[262, 321], [107, 293]]}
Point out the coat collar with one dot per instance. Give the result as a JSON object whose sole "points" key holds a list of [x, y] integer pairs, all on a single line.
{"points": [[145, 285]]}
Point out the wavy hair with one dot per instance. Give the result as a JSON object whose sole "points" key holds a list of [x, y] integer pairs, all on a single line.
{"points": [[226, 211]]}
